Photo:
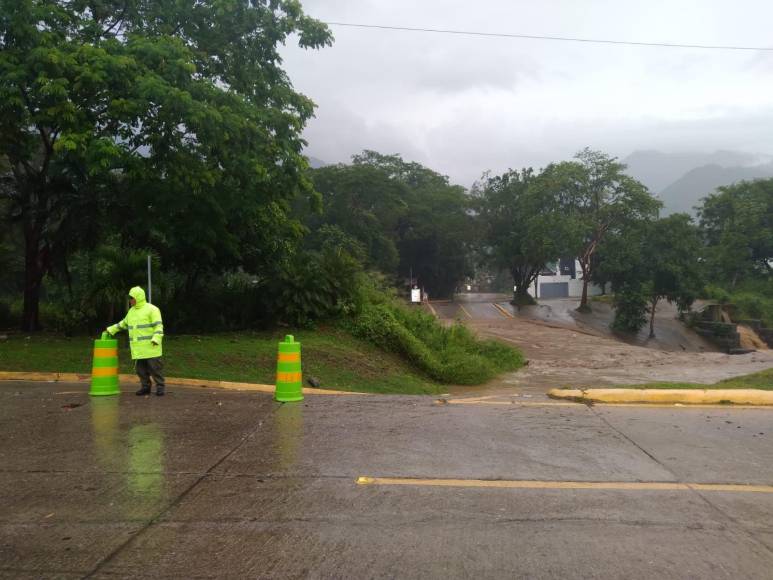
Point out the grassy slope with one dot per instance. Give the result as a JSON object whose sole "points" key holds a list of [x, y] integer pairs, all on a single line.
{"points": [[337, 359], [761, 380]]}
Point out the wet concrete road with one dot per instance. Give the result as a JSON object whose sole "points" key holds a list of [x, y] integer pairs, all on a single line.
{"points": [[207, 483]]}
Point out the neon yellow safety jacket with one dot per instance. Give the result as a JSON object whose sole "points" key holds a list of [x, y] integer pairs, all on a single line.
{"points": [[146, 330]]}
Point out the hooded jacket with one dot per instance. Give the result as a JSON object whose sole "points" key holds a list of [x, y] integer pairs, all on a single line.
{"points": [[143, 321]]}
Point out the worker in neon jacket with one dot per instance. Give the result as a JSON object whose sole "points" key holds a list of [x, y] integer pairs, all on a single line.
{"points": [[146, 332]]}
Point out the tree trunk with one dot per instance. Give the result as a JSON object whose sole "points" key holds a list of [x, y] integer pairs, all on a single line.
{"points": [[33, 278], [584, 299], [522, 279], [652, 318]]}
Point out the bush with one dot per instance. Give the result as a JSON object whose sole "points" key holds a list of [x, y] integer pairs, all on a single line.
{"points": [[449, 355], [630, 310], [717, 293]]}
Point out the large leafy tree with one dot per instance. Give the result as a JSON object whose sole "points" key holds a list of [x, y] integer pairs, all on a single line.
{"points": [[737, 226], [175, 117], [365, 203], [434, 232], [404, 216], [649, 262], [522, 223], [600, 200]]}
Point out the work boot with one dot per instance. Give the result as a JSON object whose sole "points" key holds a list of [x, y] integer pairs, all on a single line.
{"points": [[143, 391], [160, 391]]}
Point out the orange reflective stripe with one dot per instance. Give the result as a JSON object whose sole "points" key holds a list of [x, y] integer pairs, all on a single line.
{"points": [[104, 372], [289, 357], [103, 352], [288, 377]]}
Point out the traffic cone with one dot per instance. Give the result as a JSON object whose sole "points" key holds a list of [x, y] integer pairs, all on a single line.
{"points": [[104, 372], [289, 379]]}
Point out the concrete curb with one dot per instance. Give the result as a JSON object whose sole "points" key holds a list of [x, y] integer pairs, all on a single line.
{"points": [[200, 383], [667, 396]]}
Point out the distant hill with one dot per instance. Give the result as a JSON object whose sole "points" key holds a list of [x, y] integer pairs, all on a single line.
{"points": [[681, 180], [686, 192], [315, 163]]}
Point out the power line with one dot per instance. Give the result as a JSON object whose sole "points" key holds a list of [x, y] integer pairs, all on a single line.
{"points": [[559, 38]]}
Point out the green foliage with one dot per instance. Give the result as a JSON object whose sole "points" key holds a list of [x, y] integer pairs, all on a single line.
{"points": [[405, 217], [364, 204], [522, 225], [449, 355], [737, 227], [630, 303], [649, 262], [316, 286], [133, 115], [599, 200], [714, 292]]}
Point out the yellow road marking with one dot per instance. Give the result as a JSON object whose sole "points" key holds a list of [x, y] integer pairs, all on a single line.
{"points": [[599, 485], [465, 311], [502, 310]]}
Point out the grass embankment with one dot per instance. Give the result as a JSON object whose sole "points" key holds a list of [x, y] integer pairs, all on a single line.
{"points": [[416, 356], [760, 380], [339, 360]]}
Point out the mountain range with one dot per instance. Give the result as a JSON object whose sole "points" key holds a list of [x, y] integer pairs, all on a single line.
{"points": [[681, 180]]}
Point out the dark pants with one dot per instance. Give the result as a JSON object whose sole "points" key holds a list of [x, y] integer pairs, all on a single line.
{"points": [[151, 367]]}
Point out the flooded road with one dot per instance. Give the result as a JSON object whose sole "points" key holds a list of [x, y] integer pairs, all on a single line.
{"points": [[565, 348]]}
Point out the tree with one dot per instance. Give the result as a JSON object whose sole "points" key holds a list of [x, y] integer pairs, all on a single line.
{"points": [[175, 116], [365, 203], [671, 261], [522, 224], [600, 199], [737, 227], [407, 217], [650, 262]]}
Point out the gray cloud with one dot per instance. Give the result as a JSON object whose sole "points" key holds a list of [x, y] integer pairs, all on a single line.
{"points": [[462, 105]]}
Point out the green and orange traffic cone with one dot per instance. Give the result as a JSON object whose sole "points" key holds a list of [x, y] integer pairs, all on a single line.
{"points": [[104, 371], [289, 378]]}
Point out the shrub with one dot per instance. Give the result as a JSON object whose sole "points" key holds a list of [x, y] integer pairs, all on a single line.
{"points": [[449, 355], [717, 293], [630, 310]]}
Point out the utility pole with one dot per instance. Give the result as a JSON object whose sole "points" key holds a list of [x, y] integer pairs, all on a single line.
{"points": [[150, 288]]}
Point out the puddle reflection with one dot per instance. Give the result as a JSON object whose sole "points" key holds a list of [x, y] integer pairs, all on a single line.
{"points": [[137, 454], [288, 425], [146, 461], [105, 419]]}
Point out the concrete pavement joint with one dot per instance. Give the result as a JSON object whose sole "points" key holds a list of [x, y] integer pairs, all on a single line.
{"points": [[155, 519], [694, 490]]}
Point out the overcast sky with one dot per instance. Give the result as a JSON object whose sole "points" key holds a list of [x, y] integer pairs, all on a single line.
{"points": [[462, 105]]}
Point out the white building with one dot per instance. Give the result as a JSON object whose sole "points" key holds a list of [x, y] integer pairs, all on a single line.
{"points": [[561, 279]]}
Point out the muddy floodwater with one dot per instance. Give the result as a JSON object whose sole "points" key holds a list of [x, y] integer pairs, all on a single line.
{"points": [[565, 348]]}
